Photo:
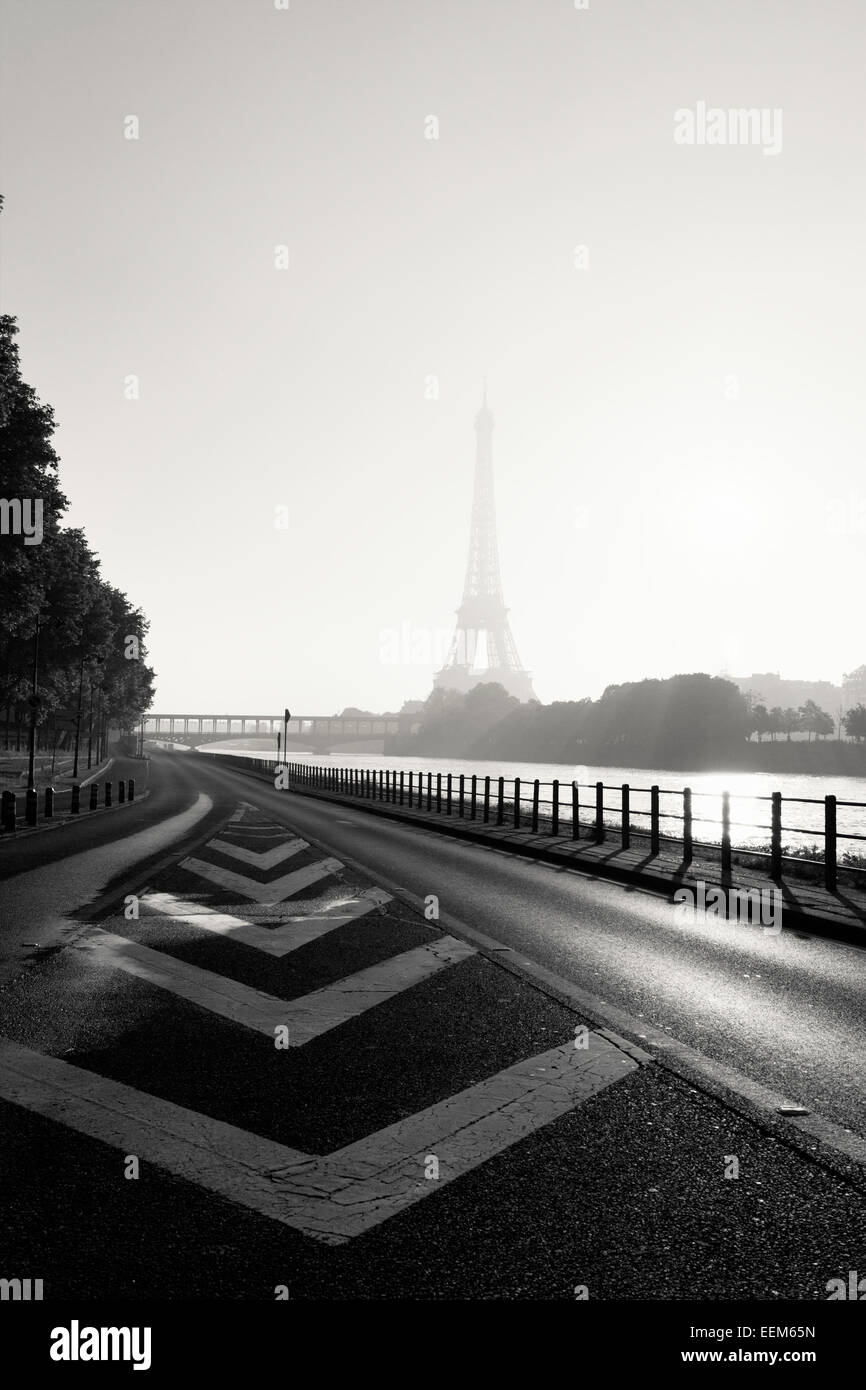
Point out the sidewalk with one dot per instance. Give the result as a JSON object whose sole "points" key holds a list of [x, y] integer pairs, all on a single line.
{"points": [[841, 914]]}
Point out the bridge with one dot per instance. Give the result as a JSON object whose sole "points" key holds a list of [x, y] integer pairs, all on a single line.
{"points": [[313, 732]]}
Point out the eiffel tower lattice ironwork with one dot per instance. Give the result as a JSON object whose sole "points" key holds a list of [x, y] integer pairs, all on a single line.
{"points": [[483, 607]]}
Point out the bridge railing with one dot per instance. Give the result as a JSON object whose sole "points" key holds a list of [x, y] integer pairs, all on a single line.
{"points": [[597, 811]]}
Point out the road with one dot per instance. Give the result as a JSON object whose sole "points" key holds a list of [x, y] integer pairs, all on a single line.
{"points": [[167, 962]]}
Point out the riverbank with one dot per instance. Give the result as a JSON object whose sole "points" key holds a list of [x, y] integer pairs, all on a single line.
{"points": [[820, 758]]}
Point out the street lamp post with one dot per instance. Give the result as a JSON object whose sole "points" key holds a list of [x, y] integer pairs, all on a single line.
{"points": [[78, 718], [34, 702], [90, 725], [97, 661]]}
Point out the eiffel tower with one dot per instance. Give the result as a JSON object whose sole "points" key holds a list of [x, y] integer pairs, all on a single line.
{"points": [[483, 608]]}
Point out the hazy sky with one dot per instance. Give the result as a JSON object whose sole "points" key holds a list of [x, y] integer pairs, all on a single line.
{"points": [[679, 433]]}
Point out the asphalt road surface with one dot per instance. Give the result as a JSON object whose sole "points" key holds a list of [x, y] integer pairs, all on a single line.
{"points": [[240, 1060]]}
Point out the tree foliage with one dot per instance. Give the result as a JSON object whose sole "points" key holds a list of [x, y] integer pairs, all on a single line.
{"points": [[57, 581], [855, 722]]}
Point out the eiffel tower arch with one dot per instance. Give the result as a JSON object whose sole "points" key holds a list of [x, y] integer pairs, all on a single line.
{"points": [[482, 618]]}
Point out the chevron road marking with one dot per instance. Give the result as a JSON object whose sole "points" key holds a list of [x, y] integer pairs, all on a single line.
{"points": [[257, 832], [332, 1198], [272, 892], [307, 1017], [211, 1153], [260, 859], [347, 1192], [274, 941]]}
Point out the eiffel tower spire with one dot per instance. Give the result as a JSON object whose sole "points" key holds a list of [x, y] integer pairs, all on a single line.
{"points": [[483, 607]]}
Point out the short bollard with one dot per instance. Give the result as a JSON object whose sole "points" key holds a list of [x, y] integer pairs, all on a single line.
{"points": [[94, 796], [49, 802], [121, 790], [7, 816], [107, 794], [76, 799], [31, 806], [131, 791]]}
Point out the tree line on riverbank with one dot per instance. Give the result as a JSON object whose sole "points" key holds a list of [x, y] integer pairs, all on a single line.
{"points": [[54, 602], [688, 721]]}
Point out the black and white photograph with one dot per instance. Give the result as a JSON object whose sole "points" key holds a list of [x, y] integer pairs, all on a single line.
{"points": [[432, 680]]}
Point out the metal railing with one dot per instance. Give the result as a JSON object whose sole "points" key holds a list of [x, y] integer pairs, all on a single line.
{"points": [[577, 810]]}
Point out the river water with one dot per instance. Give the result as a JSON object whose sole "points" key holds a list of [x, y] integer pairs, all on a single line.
{"points": [[802, 805]]}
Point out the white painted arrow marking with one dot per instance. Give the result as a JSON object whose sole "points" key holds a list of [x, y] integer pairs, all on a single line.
{"points": [[272, 892], [355, 1188], [260, 859], [307, 1017], [293, 931], [332, 1198]]}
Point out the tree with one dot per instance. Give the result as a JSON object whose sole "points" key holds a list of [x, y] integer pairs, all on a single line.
{"points": [[855, 722], [790, 723], [814, 720], [760, 721], [50, 576], [777, 722]]}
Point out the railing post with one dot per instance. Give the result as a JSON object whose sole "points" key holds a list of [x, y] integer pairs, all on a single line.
{"points": [[500, 809], [460, 792], [554, 810], [107, 795], [121, 790], [411, 776], [625, 817], [49, 803], [438, 793], [130, 791], [688, 850], [517, 803], [830, 843], [654, 819], [9, 809], [31, 807], [76, 799], [401, 788], [94, 796], [599, 813], [535, 806], [473, 794], [486, 812], [726, 834], [575, 811], [448, 797], [429, 791]]}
